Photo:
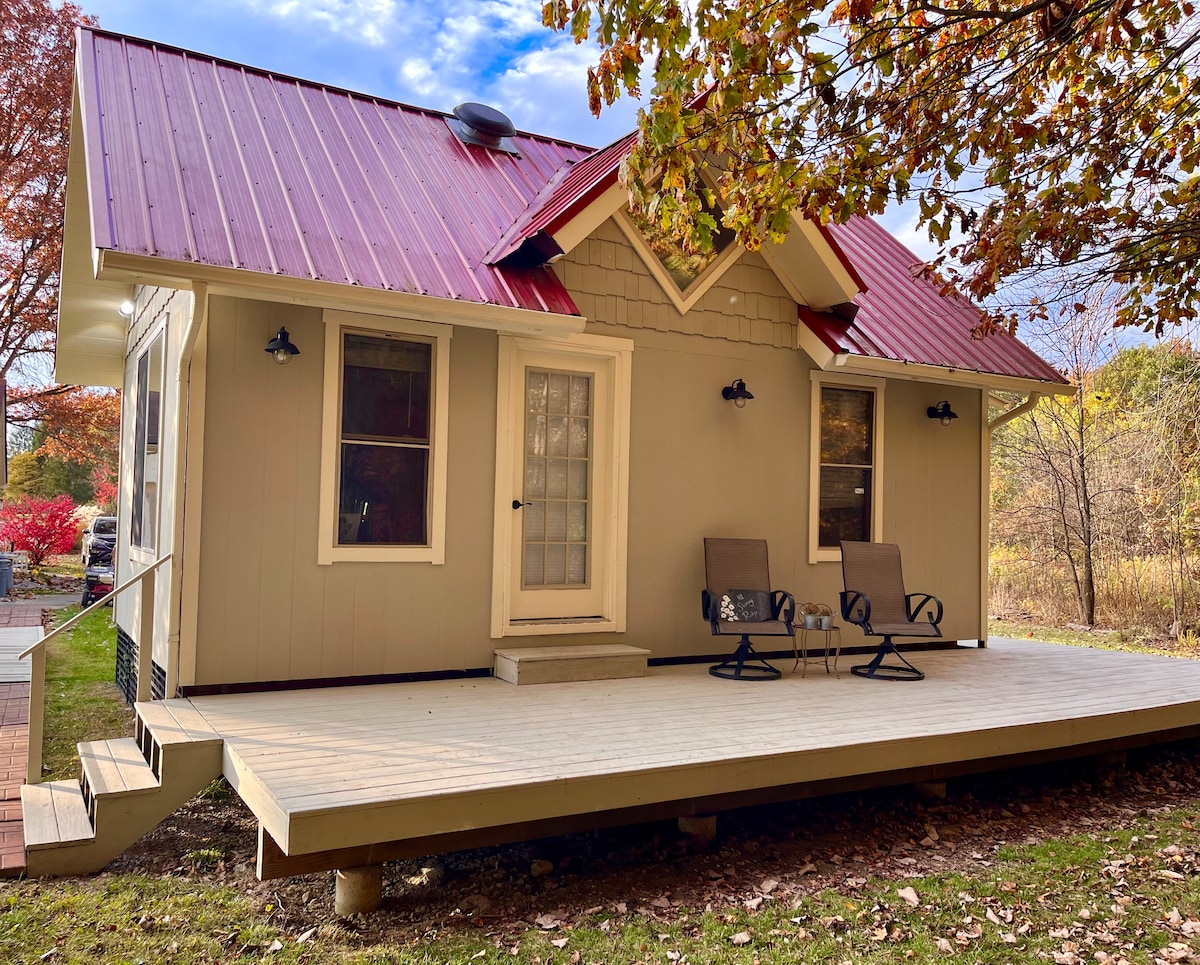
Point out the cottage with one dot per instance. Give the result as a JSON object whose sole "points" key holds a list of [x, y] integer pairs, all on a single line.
{"points": [[505, 421]]}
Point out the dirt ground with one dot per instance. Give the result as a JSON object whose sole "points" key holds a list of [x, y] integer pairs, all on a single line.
{"points": [[801, 847]]}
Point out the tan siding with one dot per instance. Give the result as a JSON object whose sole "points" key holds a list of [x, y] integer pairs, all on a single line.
{"points": [[931, 497], [267, 611], [698, 467], [747, 304], [152, 306]]}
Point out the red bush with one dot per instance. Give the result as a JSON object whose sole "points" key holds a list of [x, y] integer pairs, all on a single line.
{"points": [[40, 527]]}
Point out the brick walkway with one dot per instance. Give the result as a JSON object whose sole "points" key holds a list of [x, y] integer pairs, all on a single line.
{"points": [[21, 614], [14, 745]]}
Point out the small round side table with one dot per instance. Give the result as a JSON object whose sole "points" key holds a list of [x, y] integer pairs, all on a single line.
{"points": [[833, 635]]}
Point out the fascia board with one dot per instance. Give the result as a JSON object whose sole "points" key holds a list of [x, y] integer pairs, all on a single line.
{"points": [[912, 371], [583, 224], [145, 270]]}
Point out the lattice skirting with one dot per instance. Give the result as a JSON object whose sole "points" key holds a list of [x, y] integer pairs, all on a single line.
{"points": [[127, 658]]}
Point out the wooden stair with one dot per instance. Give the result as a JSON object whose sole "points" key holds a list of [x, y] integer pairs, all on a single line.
{"points": [[126, 787], [544, 665]]}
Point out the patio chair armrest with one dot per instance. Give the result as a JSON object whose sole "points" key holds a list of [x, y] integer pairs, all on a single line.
{"points": [[708, 603], [856, 607], [914, 609], [783, 607]]}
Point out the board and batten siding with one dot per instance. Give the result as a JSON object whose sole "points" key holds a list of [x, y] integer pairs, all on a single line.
{"points": [[266, 611], [168, 310]]}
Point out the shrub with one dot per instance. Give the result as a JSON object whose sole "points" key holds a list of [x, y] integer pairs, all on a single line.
{"points": [[40, 527]]}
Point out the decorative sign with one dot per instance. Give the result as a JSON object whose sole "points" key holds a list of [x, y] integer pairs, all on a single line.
{"points": [[745, 606]]}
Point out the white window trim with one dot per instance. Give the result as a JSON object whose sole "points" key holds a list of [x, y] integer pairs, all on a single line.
{"points": [[620, 352], [146, 555], [820, 380], [328, 550], [683, 301]]}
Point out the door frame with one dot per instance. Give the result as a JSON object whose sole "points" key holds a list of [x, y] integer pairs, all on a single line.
{"points": [[510, 379]]}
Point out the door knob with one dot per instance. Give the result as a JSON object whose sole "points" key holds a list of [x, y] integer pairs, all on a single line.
{"points": [[517, 504]]}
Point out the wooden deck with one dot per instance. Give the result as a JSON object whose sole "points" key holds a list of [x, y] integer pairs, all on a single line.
{"points": [[344, 767]]}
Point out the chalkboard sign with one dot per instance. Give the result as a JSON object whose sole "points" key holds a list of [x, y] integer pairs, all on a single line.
{"points": [[746, 606]]}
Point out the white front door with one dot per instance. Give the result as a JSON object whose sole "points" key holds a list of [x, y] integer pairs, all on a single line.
{"points": [[560, 501]]}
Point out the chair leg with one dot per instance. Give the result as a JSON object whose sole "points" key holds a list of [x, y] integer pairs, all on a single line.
{"points": [[736, 667], [878, 670]]}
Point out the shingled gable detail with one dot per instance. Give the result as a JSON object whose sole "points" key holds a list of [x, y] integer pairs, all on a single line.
{"points": [[809, 263]]}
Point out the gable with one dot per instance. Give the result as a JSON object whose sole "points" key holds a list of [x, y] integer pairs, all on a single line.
{"points": [[611, 284]]}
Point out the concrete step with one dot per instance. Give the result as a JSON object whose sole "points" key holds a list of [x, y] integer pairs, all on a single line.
{"points": [[543, 665], [55, 816]]}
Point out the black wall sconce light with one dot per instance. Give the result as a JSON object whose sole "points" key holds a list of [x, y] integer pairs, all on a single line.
{"points": [[942, 412], [737, 393], [281, 347]]}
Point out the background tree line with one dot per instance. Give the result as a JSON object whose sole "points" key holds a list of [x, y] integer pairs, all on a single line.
{"points": [[1096, 497], [62, 439]]}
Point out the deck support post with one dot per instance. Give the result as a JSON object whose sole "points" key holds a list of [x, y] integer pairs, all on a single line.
{"points": [[699, 827], [358, 891], [930, 790]]}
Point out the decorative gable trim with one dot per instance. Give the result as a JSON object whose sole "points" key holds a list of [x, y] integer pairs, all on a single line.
{"points": [[683, 301]]}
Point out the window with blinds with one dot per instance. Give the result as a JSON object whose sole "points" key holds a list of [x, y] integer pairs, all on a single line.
{"points": [[143, 529]]}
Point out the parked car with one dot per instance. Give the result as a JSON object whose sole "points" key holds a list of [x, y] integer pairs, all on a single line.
{"points": [[97, 581], [99, 540]]}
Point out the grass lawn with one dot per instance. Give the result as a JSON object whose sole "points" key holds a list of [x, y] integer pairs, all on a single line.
{"points": [[1135, 640], [1127, 894], [82, 702]]}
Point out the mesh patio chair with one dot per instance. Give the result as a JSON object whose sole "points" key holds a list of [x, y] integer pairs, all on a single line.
{"points": [[738, 600], [874, 599]]}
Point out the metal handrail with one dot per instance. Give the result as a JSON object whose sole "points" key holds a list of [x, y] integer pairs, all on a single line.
{"points": [[37, 671]]}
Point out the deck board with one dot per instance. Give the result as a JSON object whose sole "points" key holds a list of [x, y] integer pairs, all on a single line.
{"points": [[13, 641], [340, 767]]}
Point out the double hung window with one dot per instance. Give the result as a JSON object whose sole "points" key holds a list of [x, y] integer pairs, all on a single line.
{"points": [[383, 465], [146, 431], [846, 457]]}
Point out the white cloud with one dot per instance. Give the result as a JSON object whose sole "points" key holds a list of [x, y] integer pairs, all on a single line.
{"points": [[439, 53], [419, 76], [369, 21], [545, 90], [903, 224]]}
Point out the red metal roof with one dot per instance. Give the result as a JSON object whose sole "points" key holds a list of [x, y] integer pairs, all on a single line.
{"points": [[904, 316], [194, 159], [573, 188], [199, 160]]}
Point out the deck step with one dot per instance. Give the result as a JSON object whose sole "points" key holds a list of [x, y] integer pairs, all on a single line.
{"points": [[173, 722], [174, 728], [115, 767], [543, 665], [55, 815]]}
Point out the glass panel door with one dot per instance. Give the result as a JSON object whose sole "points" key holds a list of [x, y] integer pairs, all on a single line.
{"points": [[556, 490], [560, 543]]}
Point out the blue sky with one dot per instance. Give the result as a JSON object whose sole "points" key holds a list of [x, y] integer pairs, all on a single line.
{"points": [[431, 54]]}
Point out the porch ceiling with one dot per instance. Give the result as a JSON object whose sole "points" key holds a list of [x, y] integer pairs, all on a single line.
{"points": [[344, 767]]}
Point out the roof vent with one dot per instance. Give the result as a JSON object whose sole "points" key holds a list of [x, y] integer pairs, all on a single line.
{"points": [[483, 126]]}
